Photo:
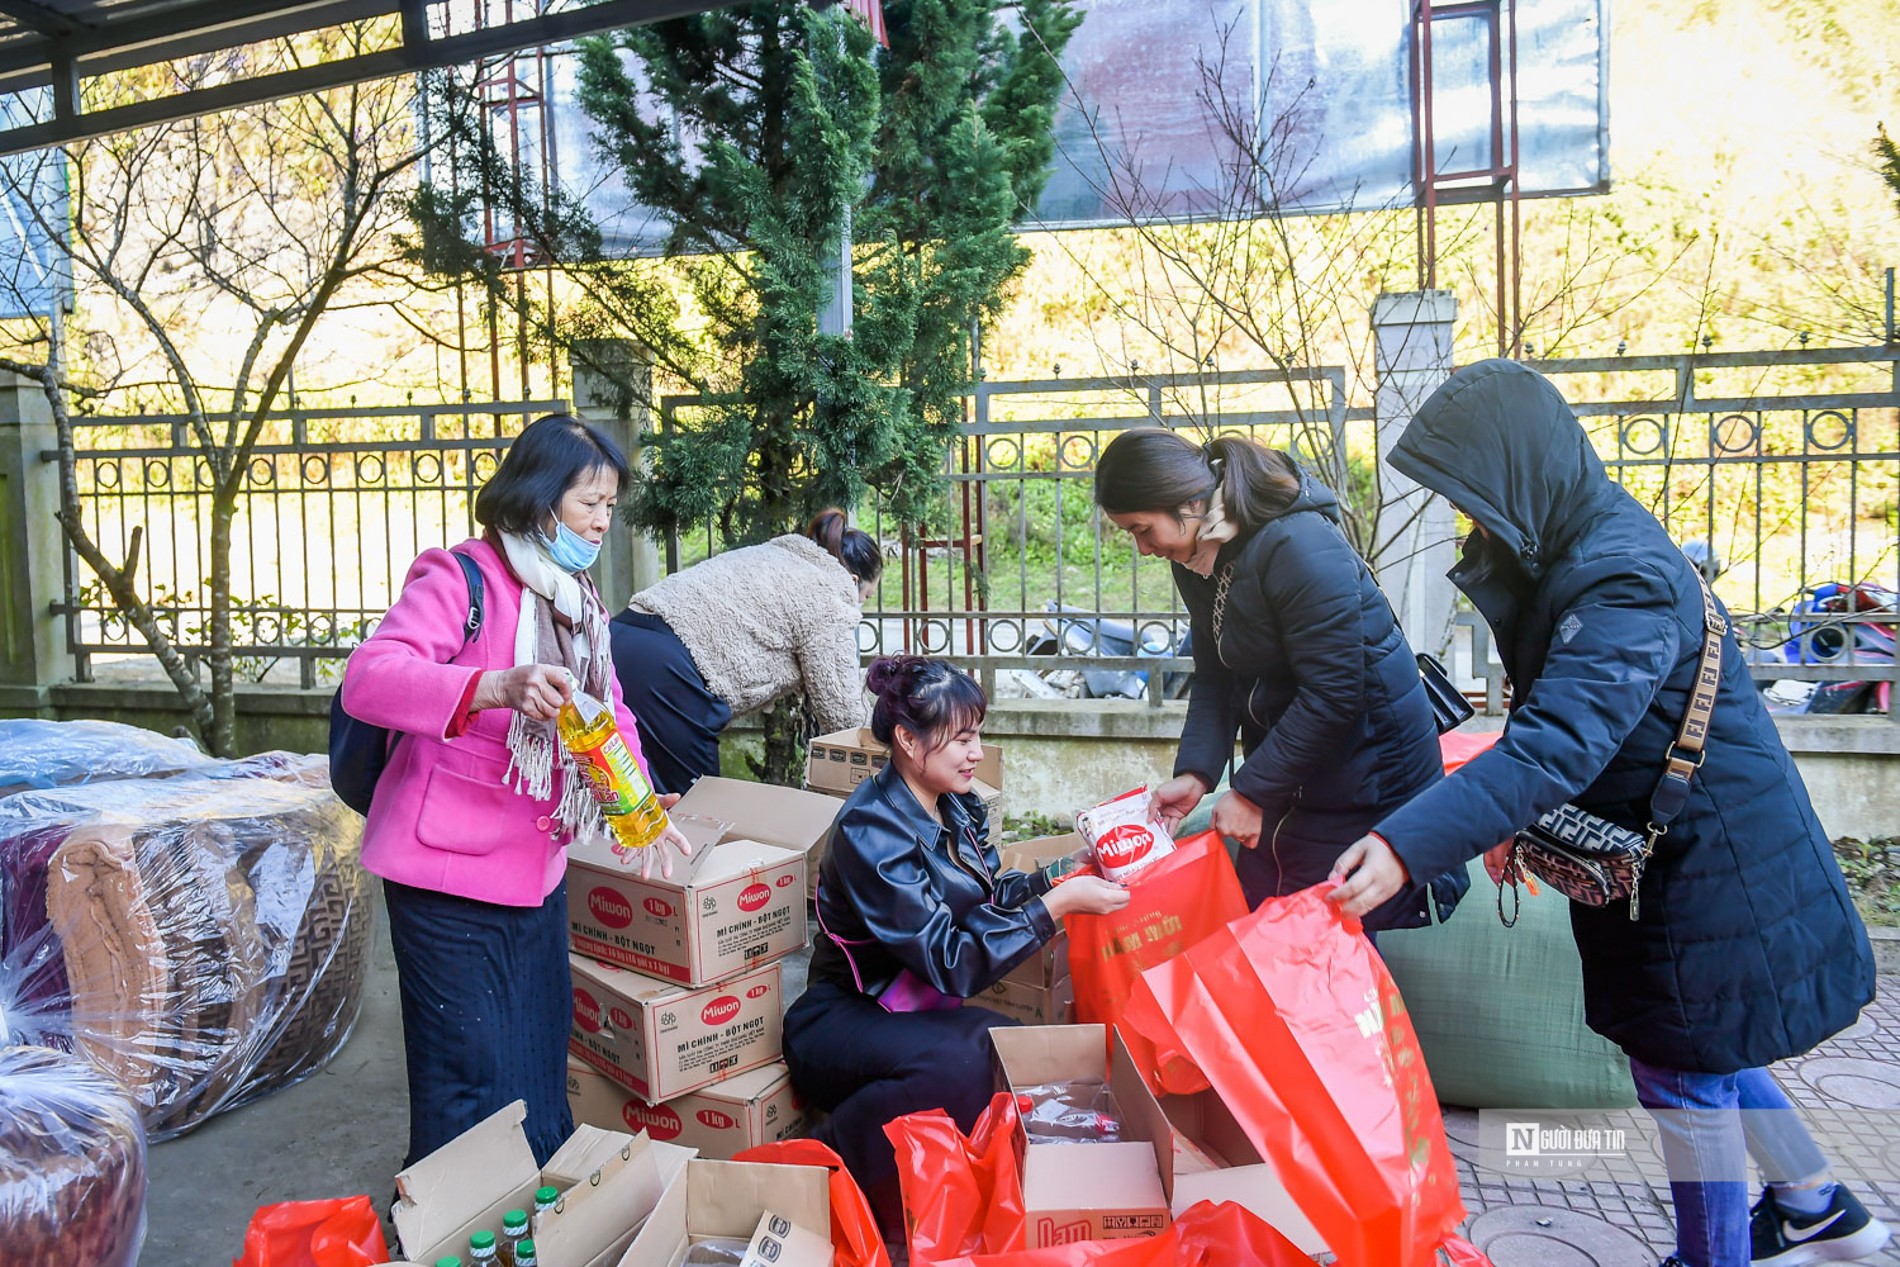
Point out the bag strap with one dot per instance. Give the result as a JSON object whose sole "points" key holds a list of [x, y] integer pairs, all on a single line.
{"points": [[471, 573], [1687, 753]]}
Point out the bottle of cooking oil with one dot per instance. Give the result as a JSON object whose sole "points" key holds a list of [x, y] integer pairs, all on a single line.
{"points": [[625, 797]]}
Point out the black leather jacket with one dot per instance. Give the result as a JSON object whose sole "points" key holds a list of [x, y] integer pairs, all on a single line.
{"points": [[903, 892]]}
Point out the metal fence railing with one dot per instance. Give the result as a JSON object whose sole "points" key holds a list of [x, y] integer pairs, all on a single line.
{"points": [[336, 504], [1786, 464]]}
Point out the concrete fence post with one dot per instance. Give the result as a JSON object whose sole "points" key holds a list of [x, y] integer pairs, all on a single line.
{"points": [[613, 388], [1414, 547], [33, 651]]}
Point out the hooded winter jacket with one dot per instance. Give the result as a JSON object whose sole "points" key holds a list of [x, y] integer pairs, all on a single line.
{"points": [[1313, 673], [1747, 949]]}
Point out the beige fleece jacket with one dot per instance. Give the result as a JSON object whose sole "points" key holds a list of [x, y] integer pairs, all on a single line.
{"points": [[764, 621]]}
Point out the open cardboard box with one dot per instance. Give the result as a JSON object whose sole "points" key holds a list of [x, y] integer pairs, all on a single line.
{"points": [[610, 1182], [741, 904], [660, 1040], [788, 817], [729, 1198], [742, 1112], [1207, 1133], [1081, 1192]]}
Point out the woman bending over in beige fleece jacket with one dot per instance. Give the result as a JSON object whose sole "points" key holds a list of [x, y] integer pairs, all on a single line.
{"points": [[740, 630]]}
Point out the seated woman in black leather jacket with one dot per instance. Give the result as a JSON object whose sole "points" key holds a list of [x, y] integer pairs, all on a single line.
{"points": [[915, 915]]}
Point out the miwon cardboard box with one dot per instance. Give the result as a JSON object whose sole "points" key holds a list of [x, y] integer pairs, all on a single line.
{"points": [[1106, 1191], [470, 1182], [728, 1117], [790, 818], [660, 1040], [1031, 1003], [1204, 1123], [731, 1198], [743, 905]]}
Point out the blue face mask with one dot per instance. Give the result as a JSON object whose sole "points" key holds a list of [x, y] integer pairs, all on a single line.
{"points": [[570, 551]]}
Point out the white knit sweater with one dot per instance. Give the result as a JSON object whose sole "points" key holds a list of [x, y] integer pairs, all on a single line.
{"points": [[764, 621]]}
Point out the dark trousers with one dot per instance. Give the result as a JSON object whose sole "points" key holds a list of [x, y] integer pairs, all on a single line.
{"points": [[866, 1067], [680, 719], [486, 1005]]}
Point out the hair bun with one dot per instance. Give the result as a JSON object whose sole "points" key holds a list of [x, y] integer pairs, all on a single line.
{"points": [[892, 674]]}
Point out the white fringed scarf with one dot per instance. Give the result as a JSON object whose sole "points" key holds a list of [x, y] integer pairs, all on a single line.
{"points": [[562, 623]]}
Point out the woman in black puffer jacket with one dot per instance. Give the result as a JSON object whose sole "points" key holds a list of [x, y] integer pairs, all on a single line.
{"points": [[1296, 652]]}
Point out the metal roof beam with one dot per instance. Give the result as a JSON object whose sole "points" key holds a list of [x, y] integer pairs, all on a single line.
{"points": [[40, 19], [22, 74], [471, 46]]}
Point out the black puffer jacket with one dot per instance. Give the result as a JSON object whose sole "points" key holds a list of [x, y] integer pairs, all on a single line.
{"points": [[1748, 949], [1313, 674], [902, 892]]}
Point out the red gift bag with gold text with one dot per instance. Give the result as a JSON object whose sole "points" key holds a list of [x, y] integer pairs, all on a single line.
{"points": [[1174, 903], [1296, 1024]]}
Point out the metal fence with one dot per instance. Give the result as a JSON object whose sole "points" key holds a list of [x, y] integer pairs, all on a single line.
{"points": [[336, 504], [1786, 463]]}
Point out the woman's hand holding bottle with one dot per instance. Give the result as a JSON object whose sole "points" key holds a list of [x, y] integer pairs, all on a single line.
{"points": [[1085, 895], [535, 690]]}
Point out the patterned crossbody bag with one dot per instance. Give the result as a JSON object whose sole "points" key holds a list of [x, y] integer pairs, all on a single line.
{"points": [[1594, 861]]}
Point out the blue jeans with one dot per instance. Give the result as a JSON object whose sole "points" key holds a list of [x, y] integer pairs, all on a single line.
{"points": [[1710, 1125]]}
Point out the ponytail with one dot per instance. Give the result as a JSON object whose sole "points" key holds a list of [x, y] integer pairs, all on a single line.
{"points": [[1153, 469], [854, 548]]}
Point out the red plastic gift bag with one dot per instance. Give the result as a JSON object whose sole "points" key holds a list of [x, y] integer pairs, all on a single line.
{"points": [[1206, 1235], [1293, 1019], [344, 1232], [1455, 1251], [1188, 895], [1459, 747], [961, 1196], [854, 1236]]}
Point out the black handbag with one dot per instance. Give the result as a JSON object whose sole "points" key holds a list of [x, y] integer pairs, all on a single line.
{"points": [[1450, 708], [1591, 860]]}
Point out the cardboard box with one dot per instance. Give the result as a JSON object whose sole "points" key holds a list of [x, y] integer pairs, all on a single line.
{"points": [[788, 817], [1031, 1003], [1050, 964], [470, 1182], [838, 762], [726, 1118], [742, 906], [659, 1040], [1103, 1191], [729, 1198], [1241, 1175]]}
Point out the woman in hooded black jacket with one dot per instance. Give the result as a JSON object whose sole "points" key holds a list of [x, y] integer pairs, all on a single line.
{"points": [[1296, 652], [1744, 947]]}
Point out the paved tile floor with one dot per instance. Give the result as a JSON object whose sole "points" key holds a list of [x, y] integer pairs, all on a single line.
{"points": [[341, 1132], [1614, 1210]]}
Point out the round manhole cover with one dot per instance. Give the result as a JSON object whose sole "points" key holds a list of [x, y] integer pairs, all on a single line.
{"points": [[1550, 1236], [1865, 1084]]}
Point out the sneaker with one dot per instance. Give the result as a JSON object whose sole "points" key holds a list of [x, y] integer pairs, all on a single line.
{"points": [[1842, 1232]]}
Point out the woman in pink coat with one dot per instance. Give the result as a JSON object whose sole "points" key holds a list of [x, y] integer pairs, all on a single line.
{"points": [[473, 811]]}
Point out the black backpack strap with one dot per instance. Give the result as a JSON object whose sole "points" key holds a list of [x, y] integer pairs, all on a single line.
{"points": [[473, 574]]}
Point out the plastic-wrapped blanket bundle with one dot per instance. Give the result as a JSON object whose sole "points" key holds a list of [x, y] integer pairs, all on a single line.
{"points": [[50, 754], [72, 1164], [202, 939]]}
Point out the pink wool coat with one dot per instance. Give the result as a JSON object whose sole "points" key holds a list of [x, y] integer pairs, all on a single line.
{"points": [[444, 817]]}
